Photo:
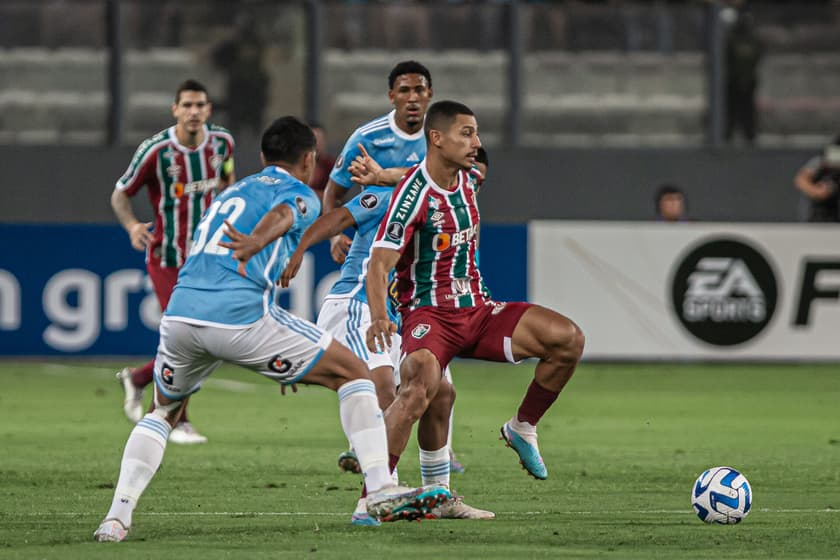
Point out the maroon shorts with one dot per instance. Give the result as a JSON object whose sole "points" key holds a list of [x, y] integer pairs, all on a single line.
{"points": [[163, 280], [482, 332]]}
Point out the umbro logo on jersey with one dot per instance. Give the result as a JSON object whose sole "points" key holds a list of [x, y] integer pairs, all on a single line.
{"points": [[384, 141], [413, 157], [395, 231], [173, 170], [420, 330], [301, 205], [369, 201]]}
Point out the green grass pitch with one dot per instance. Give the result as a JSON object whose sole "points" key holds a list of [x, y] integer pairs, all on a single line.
{"points": [[623, 445]]}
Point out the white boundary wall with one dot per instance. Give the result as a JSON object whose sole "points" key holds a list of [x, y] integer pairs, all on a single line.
{"points": [[616, 280]]}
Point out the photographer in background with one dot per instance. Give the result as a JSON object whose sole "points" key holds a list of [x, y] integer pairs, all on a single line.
{"points": [[819, 180]]}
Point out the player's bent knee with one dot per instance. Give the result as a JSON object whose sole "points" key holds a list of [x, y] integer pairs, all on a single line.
{"points": [[565, 340]]}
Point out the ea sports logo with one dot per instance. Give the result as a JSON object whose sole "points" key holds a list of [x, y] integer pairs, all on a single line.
{"points": [[724, 292]]}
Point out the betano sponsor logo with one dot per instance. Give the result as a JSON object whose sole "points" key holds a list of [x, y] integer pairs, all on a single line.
{"points": [[443, 241]]}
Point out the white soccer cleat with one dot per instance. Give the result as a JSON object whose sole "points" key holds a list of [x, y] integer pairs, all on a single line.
{"points": [[111, 530], [133, 404], [395, 503], [184, 434], [457, 509]]}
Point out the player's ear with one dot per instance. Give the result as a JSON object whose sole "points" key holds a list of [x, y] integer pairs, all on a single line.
{"points": [[209, 108], [434, 137], [174, 110], [391, 96], [262, 160]]}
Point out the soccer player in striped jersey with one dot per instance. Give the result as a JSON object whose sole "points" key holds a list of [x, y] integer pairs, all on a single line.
{"points": [[430, 235], [223, 309], [345, 314], [182, 167], [394, 140]]}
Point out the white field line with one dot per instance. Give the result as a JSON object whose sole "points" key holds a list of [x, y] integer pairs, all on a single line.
{"points": [[231, 385], [340, 514]]}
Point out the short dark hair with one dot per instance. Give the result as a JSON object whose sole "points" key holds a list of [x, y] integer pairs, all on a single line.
{"points": [[286, 140], [408, 67], [481, 156], [190, 85], [664, 190], [443, 113]]}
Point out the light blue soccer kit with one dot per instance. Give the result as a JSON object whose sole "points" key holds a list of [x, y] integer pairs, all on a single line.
{"points": [[345, 313], [385, 142], [215, 314]]}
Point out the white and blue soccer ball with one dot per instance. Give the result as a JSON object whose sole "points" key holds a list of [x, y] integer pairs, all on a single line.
{"points": [[721, 495]]}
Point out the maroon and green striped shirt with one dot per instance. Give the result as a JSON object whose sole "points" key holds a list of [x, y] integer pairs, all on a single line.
{"points": [[436, 232], [180, 182]]}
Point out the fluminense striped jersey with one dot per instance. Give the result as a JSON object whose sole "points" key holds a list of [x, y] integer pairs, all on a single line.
{"points": [[389, 145], [180, 183], [435, 230]]}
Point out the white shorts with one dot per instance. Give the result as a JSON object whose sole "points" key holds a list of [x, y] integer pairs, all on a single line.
{"points": [[280, 346], [348, 320]]}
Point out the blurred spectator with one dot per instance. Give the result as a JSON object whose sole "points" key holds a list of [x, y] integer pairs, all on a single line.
{"points": [[743, 54], [325, 160], [819, 181], [241, 58], [671, 204]]}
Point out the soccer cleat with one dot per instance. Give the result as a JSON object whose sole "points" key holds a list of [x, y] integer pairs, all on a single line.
{"points": [[361, 516], [364, 519], [457, 509], [395, 503], [529, 453], [348, 462], [454, 465], [133, 404], [111, 530], [185, 434]]}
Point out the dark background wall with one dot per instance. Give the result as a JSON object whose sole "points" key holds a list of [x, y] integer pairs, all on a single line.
{"points": [[73, 184]]}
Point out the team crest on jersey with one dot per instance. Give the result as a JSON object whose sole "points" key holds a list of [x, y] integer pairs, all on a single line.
{"points": [[216, 161], [301, 205], [395, 231], [173, 170], [420, 330], [434, 203], [339, 162], [279, 365], [167, 374], [369, 201]]}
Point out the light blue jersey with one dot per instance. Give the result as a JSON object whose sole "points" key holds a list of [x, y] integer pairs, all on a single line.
{"points": [[385, 142], [367, 209], [209, 288]]}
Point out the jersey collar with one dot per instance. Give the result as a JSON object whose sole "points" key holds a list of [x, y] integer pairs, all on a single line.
{"points": [[181, 148], [392, 122], [435, 186]]}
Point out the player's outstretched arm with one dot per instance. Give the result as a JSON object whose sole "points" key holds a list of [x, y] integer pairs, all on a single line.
{"points": [[366, 171], [323, 228], [273, 225], [381, 329]]}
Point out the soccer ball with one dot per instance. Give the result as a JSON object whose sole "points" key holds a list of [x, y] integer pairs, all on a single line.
{"points": [[721, 495]]}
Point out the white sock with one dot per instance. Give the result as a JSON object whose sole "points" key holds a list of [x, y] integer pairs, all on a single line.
{"points": [[526, 430], [141, 459], [364, 427], [434, 466]]}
